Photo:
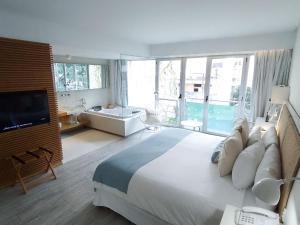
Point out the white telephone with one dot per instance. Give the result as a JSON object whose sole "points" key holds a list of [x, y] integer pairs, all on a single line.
{"points": [[256, 216]]}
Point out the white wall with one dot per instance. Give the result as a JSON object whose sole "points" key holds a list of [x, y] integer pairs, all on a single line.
{"points": [[76, 42], [71, 101], [225, 45], [295, 75]]}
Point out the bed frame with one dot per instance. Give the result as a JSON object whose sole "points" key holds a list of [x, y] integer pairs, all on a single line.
{"points": [[289, 139], [107, 198], [288, 128]]}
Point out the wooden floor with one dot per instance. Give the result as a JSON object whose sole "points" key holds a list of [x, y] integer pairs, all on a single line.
{"points": [[67, 200]]}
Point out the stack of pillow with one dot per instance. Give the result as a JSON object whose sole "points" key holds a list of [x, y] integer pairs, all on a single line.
{"points": [[248, 156]]}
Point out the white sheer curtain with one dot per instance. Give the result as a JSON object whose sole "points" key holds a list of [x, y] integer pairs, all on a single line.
{"points": [[105, 76], [270, 68], [120, 83], [141, 83]]}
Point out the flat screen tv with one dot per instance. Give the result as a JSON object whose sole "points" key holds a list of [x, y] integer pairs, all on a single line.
{"points": [[23, 109]]}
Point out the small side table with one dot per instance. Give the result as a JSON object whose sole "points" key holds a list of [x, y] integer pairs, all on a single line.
{"points": [[192, 123], [229, 215], [261, 121], [67, 123]]}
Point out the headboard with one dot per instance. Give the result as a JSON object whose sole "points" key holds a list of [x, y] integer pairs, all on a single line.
{"points": [[288, 127]]}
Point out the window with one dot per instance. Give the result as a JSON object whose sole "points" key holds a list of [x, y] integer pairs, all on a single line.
{"points": [[224, 95], [81, 76], [169, 72], [59, 72], [213, 90], [70, 77], [95, 76], [141, 83], [248, 93]]}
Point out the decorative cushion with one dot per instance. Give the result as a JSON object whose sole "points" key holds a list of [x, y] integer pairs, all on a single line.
{"points": [[245, 166], [233, 145], [242, 126], [216, 154], [270, 167], [254, 136], [270, 137]]}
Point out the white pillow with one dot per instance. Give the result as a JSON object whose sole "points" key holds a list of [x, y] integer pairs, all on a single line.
{"points": [[254, 136], [245, 166], [233, 145], [270, 167], [270, 137], [242, 126]]}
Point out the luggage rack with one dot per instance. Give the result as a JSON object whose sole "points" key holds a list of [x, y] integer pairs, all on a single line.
{"points": [[24, 158]]}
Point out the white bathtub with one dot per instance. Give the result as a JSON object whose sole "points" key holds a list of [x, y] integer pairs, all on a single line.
{"points": [[119, 112], [120, 121]]}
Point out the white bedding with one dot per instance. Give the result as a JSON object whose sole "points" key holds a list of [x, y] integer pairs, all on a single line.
{"points": [[182, 186]]}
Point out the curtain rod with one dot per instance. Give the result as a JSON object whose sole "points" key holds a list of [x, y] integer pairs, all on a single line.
{"points": [[188, 56], [135, 56]]}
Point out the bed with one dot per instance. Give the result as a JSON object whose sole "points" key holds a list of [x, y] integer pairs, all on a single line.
{"points": [[166, 192], [176, 183], [118, 120]]}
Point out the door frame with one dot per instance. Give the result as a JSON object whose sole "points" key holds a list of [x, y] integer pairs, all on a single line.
{"points": [[181, 101], [157, 98], [242, 91]]}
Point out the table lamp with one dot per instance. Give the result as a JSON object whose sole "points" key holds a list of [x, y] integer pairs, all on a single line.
{"points": [[268, 189], [280, 94]]}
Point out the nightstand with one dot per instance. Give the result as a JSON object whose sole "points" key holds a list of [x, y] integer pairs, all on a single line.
{"points": [[261, 121], [229, 215]]}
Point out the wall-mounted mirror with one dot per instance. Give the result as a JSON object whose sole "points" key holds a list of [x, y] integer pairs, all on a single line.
{"points": [[70, 77]]}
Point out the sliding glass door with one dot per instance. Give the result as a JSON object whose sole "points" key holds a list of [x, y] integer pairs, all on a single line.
{"points": [[210, 90], [141, 84], [169, 91], [225, 93], [194, 89]]}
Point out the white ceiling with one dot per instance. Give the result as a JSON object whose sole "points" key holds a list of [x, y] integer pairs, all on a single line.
{"points": [[164, 21]]}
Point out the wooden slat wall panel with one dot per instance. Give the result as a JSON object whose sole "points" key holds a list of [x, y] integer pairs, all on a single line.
{"points": [[289, 139], [28, 66]]}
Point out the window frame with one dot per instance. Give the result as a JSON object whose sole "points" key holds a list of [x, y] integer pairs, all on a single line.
{"points": [[242, 91], [75, 76], [101, 82]]}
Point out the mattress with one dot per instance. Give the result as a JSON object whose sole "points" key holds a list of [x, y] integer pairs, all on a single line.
{"points": [[182, 186]]}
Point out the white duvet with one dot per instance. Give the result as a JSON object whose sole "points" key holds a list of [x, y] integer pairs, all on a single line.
{"points": [[182, 186]]}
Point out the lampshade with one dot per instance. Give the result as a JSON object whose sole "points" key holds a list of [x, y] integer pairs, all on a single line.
{"points": [[280, 94], [268, 190]]}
